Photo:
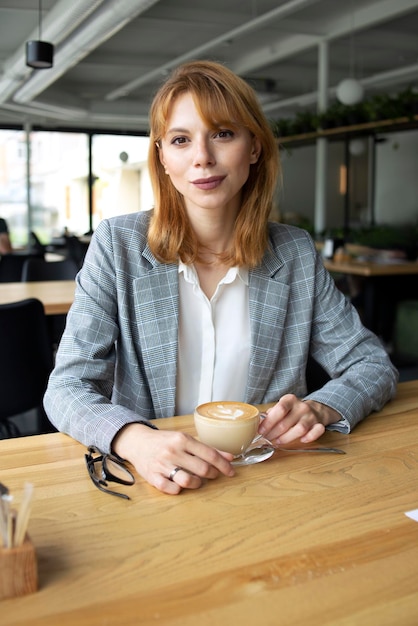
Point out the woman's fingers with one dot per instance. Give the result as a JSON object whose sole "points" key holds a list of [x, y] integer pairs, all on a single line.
{"points": [[155, 454], [292, 419]]}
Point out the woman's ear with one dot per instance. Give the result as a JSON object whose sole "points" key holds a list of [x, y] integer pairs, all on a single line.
{"points": [[160, 153], [255, 150]]}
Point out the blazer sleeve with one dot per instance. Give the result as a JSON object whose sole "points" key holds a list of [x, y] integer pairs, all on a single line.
{"points": [[78, 400], [363, 378]]}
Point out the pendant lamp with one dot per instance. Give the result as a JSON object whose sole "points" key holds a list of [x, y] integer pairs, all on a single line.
{"points": [[39, 54], [350, 91]]}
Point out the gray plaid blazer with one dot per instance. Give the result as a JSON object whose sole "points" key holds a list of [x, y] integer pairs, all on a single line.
{"points": [[117, 359]]}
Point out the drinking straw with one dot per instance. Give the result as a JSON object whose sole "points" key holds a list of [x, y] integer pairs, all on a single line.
{"points": [[6, 520], [3, 520], [22, 519], [11, 524], [3, 513]]}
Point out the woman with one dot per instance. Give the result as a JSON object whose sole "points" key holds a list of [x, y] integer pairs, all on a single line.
{"points": [[202, 300], [5, 243]]}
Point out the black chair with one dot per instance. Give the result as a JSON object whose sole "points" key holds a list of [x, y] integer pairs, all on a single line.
{"points": [[26, 360], [11, 266], [316, 376], [39, 269], [76, 249], [35, 244]]}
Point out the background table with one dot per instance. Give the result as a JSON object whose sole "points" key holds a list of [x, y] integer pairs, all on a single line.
{"points": [[369, 268], [384, 285], [299, 539], [56, 295]]}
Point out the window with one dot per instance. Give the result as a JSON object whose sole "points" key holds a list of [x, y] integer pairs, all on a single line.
{"points": [[59, 195], [59, 184], [13, 194], [120, 176]]}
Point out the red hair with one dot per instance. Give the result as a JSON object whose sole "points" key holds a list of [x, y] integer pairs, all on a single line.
{"points": [[220, 97]]}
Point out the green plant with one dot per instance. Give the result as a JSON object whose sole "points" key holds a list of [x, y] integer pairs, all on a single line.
{"points": [[283, 127], [305, 122], [409, 101], [376, 108], [334, 116]]}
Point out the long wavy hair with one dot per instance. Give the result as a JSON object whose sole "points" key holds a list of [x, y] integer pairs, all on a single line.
{"points": [[221, 97]]}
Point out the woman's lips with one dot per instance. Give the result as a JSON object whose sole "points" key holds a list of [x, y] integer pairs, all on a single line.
{"points": [[208, 183]]}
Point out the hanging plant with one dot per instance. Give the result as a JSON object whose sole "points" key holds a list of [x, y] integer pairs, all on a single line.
{"points": [[376, 108], [383, 107], [409, 101], [356, 114], [283, 127], [334, 117], [305, 122]]}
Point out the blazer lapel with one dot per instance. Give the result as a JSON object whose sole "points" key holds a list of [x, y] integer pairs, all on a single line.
{"points": [[157, 298], [268, 297]]}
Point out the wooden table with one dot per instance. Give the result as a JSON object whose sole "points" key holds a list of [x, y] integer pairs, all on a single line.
{"points": [[384, 285], [368, 268], [299, 539], [56, 295]]}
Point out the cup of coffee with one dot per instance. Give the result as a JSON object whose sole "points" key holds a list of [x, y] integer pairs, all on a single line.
{"points": [[227, 425]]}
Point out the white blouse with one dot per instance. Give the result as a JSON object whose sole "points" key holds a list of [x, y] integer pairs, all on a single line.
{"points": [[214, 339]]}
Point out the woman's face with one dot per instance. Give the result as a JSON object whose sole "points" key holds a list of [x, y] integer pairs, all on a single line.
{"points": [[207, 166]]}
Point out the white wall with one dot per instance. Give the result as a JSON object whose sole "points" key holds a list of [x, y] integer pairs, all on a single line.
{"points": [[397, 178], [396, 187]]}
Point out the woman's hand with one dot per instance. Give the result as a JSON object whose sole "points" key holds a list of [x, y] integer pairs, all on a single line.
{"points": [[292, 419], [156, 453]]}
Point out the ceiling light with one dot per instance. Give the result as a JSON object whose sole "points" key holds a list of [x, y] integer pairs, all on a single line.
{"points": [[357, 147], [39, 54], [102, 24], [349, 90]]}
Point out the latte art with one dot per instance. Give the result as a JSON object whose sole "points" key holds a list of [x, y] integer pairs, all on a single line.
{"points": [[228, 410]]}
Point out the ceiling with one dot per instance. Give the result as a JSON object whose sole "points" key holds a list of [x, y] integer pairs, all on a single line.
{"points": [[111, 55]]}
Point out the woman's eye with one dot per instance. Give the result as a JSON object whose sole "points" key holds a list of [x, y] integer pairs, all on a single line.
{"points": [[224, 134], [177, 141]]}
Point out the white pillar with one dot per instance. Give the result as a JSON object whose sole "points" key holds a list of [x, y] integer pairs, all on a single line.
{"points": [[321, 143], [28, 129], [321, 185]]}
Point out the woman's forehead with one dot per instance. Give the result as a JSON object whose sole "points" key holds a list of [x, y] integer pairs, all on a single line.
{"points": [[213, 114]]}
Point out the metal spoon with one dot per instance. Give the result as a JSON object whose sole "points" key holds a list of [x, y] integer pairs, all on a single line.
{"points": [[254, 455], [264, 452], [317, 449], [260, 438]]}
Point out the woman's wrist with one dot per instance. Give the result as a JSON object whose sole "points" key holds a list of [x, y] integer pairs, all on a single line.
{"points": [[122, 441], [326, 415]]}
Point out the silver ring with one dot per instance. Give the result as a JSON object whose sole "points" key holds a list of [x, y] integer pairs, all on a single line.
{"points": [[173, 473]]}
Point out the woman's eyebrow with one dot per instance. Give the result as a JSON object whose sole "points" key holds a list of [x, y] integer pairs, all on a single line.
{"points": [[171, 131]]}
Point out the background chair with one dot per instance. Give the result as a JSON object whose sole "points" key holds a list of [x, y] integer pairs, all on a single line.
{"points": [[11, 266], [39, 269], [316, 376], [26, 360], [76, 249], [405, 340], [35, 244]]}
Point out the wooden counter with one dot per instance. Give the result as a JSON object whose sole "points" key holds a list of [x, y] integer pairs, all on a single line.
{"points": [[369, 268], [56, 295], [299, 539]]}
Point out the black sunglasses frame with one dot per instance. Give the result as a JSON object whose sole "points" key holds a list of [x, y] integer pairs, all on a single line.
{"points": [[101, 483]]}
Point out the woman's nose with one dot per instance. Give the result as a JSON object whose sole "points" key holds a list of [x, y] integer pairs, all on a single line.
{"points": [[203, 154]]}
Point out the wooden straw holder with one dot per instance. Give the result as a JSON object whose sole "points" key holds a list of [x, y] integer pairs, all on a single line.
{"points": [[18, 570]]}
